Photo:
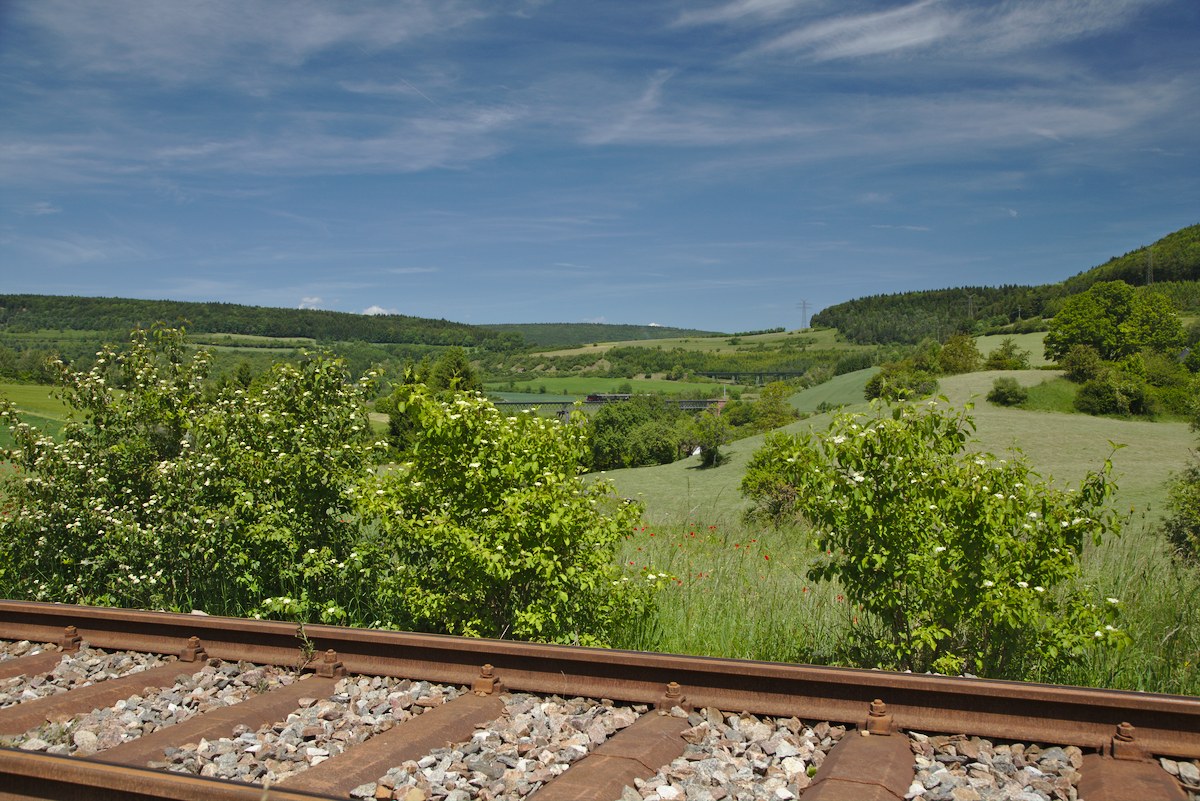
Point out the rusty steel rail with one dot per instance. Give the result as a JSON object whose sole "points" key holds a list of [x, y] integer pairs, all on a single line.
{"points": [[1161, 724]]}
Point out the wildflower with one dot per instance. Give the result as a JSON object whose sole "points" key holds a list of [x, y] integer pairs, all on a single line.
{"points": [[1098, 635], [1113, 600], [1039, 589], [1023, 585], [989, 583], [939, 549]]}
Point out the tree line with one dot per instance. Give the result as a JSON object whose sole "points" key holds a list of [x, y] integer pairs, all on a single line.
{"points": [[24, 313], [1172, 264]]}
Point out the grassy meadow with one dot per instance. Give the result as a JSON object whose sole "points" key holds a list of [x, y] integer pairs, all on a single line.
{"points": [[741, 590], [1033, 342], [580, 386], [37, 407], [823, 338], [728, 588]]}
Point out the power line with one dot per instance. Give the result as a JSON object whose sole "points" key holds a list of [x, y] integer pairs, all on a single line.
{"points": [[803, 306]]}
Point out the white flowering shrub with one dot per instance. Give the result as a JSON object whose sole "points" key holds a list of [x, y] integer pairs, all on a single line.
{"points": [[158, 496], [951, 561], [490, 530]]}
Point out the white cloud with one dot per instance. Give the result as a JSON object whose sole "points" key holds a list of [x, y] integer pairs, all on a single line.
{"points": [[738, 10], [409, 271], [311, 302], [251, 43], [869, 34], [376, 310], [903, 227], [43, 207], [990, 28]]}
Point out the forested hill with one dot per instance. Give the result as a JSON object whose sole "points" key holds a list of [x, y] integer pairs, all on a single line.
{"points": [[1175, 257], [1172, 264], [121, 315], [565, 335]]}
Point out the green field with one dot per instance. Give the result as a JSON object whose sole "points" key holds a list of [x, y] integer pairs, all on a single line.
{"points": [[34, 399], [741, 590], [1062, 446], [841, 390], [252, 341], [1034, 343], [822, 339], [580, 386]]}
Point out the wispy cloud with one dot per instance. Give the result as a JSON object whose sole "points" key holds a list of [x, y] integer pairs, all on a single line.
{"points": [[310, 302], [989, 28], [236, 40], [914, 25], [902, 227], [738, 10], [410, 270], [652, 118], [74, 250]]}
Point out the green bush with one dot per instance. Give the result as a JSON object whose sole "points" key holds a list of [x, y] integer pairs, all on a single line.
{"points": [[898, 381], [1183, 525], [490, 531], [616, 439], [1115, 393], [709, 432], [267, 502], [159, 497], [1007, 392], [959, 354], [958, 561], [654, 442], [1083, 363], [1007, 357]]}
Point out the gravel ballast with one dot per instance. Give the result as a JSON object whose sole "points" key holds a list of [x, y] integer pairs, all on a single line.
{"points": [[85, 666]]}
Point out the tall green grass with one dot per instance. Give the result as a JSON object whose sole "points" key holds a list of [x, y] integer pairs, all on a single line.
{"points": [[734, 591], [725, 599]]}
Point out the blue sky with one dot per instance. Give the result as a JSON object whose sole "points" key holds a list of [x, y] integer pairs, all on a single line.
{"points": [[706, 164]]}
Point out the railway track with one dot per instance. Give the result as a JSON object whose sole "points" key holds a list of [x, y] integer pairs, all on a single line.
{"points": [[239, 709]]}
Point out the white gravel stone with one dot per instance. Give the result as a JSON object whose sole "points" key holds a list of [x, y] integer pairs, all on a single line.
{"points": [[359, 707], [213, 685], [80, 669], [14, 649], [960, 768]]}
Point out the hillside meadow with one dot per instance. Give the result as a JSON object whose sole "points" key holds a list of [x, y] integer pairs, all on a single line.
{"points": [[741, 590], [580, 386], [823, 338]]}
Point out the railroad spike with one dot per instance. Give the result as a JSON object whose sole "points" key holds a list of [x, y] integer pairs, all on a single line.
{"points": [[330, 667], [486, 683], [71, 640], [193, 651], [879, 720], [671, 698], [1125, 745]]}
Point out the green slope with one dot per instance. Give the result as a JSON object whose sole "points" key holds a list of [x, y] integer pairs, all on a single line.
{"points": [[1062, 446]]}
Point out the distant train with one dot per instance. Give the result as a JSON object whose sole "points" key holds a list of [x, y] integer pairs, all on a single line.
{"points": [[608, 397]]}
